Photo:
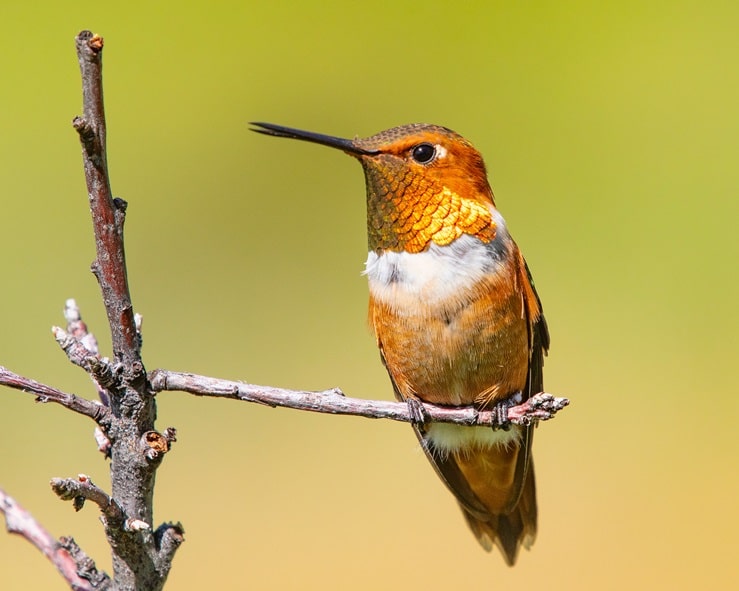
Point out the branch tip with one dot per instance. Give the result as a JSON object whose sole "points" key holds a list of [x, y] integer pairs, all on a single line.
{"points": [[89, 39]]}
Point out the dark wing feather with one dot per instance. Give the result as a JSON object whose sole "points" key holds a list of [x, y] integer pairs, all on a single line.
{"points": [[538, 347]]}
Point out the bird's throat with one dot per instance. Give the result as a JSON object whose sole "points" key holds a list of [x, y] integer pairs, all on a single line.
{"points": [[412, 220]]}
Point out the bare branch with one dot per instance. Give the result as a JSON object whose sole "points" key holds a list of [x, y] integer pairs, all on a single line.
{"points": [[73, 564], [97, 412], [541, 407], [136, 559], [108, 214]]}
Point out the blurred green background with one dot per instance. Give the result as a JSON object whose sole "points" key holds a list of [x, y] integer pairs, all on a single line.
{"points": [[610, 132]]}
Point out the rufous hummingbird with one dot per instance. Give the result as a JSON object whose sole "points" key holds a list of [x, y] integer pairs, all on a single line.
{"points": [[455, 313]]}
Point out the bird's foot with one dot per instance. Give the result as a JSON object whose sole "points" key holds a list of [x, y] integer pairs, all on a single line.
{"points": [[500, 415], [500, 411], [416, 410]]}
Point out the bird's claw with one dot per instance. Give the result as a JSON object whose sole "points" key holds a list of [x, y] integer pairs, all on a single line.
{"points": [[500, 415], [416, 411]]}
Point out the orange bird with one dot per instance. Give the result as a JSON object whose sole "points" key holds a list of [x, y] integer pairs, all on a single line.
{"points": [[455, 313]]}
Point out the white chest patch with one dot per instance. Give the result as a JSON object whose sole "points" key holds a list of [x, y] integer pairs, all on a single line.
{"points": [[436, 274]]}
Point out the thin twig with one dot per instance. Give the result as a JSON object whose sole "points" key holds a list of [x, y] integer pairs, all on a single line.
{"points": [[102, 372], [96, 411], [81, 347], [73, 564], [541, 407], [82, 489]]}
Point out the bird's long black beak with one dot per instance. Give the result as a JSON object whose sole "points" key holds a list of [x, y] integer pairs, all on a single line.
{"points": [[348, 146]]}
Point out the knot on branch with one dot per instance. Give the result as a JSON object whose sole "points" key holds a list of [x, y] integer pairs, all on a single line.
{"points": [[88, 137], [120, 204], [135, 525], [157, 444]]}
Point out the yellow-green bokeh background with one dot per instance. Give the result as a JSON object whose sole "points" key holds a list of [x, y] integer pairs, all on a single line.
{"points": [[610, 131]]}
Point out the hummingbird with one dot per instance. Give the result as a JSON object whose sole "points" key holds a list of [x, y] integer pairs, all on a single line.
{"points": [[455, 313]]}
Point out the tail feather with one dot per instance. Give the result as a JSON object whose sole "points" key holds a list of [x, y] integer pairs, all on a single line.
{"points": [[508, 531]]}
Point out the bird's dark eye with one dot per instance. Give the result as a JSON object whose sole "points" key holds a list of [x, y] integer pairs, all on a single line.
{"points": [[423, 153]]}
